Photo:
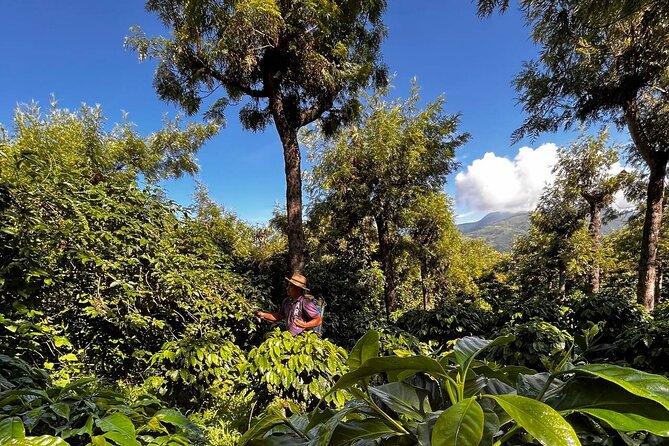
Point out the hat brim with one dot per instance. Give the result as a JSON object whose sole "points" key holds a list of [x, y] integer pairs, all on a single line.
{"points": [[297, 284]]}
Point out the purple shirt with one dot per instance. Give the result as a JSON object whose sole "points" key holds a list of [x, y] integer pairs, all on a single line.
{"points": [[296, 309]]}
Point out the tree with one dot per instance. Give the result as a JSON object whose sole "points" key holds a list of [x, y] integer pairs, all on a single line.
{"points": [[90, 255], [378, 167], [548, 245], [295, 62], [449, 263], [430, 221], [584, 171], [603, 61]]}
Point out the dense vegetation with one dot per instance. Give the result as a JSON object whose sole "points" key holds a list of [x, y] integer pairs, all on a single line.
{"points": [[127, 319]]}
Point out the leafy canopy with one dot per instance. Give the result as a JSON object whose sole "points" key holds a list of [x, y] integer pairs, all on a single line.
{"points": [[313, 56]]}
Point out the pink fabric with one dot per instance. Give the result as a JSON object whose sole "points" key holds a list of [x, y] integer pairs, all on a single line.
{"points": [[290, 312]]}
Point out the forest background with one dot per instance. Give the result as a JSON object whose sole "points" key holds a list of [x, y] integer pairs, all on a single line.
{"points": [[119, 304]]}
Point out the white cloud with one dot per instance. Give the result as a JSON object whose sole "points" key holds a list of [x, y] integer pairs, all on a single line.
{"points": [[495, 183]]}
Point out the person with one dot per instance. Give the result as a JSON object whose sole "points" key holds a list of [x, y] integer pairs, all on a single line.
{"points": [[295, 307]]}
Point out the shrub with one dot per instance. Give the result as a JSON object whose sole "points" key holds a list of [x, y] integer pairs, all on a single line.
{"points": [[301, 369], [617, 311], [661, 311], [537, 345], [82, 412], [646, 347], [520, 311], [460, 399], [450, 321], [193, 371]]}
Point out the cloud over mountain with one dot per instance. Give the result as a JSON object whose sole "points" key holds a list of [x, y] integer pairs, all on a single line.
{"points": [[495, 183]]}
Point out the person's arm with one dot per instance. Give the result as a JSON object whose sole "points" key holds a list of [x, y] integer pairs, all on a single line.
{"points": [[315, 317], [273, 317], [315, 322]]}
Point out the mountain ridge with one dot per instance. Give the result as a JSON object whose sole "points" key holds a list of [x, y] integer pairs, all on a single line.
{"points": [[500, 229]]}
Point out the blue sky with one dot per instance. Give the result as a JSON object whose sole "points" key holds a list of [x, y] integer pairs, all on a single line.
{"points": [[74, 50]]}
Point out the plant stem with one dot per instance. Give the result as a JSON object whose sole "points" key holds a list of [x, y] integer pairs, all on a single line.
{"points": [[507, 435], [397, 426], [297, 431]]}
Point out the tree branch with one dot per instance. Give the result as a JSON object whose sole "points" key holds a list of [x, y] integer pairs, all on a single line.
{"points": [[316, 111], [198, 63], [631, 112]]}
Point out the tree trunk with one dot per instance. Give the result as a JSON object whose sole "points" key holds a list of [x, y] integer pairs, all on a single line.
{"points": [[645, 291], [292, 160], [595, 229], [423, 279], [287, 129], [385, 253], [562, 282], [658, 282], [657, 164]]}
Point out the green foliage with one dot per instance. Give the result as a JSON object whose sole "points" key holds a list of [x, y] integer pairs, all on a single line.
{"points": [[646, 346], [374, 172], [82, 413], [342, 269], [616, 310], [460, 399], [449, 321], [537, 345], [198, 371], [97, 274], [603, 61], [294, 61], [300, 369], [518, 310]]}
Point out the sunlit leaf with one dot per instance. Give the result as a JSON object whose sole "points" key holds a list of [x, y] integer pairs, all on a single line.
{"points": [[538, 419], [459, 425]]}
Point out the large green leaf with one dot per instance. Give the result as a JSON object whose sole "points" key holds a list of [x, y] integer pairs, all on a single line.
{"points": [[99, 440], [467, 348], [367, 347], [264, 424], [611, 403], [646, 385], [459, 425], [507, 374], [383, 364], [61, 409], [44, 440], [12, 427], [87, 428], [424, 429], [532, 385], [538, 419], [491, 425], [121, 439], [76, 385], [317, 417], [352, 430], [173, 417], [117, 422], [280, 440], [326, 428], [402, 398]]}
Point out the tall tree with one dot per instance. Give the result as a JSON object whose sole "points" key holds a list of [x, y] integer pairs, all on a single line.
{"points": [[603, 61], [556, 219], [430, 221], [294, 61], [585, 171], [378, 167]]}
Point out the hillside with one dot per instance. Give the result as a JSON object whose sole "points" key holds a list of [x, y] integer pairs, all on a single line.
{"points": [[499, 229]]}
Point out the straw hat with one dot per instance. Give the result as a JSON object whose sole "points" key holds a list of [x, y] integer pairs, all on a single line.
{"points": [[299, 281]]}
